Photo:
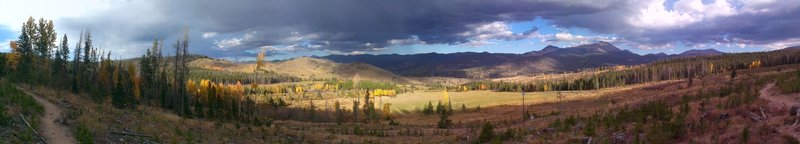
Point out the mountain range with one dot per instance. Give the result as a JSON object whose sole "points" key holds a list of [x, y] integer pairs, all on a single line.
{"points": [[492, 65]]}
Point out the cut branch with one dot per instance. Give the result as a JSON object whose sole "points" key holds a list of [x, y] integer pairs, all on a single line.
{"points": [[21, 116]]}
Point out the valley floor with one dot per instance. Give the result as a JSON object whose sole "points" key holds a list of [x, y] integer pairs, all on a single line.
{"points": [[714, 116]]}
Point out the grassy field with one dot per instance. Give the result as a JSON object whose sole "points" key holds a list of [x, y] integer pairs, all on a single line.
{"points": [[415, 101]]}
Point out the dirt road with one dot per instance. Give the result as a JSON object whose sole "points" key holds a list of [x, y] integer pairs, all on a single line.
{"points": [[49, 128], [776, 99]]}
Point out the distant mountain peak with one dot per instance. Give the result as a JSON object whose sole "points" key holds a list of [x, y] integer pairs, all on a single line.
{"points": [[601, 46], [550, 47], [705, 52], [603, 43]]}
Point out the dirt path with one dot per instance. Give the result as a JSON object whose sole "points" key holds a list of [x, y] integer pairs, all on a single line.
{"points": [[50, 129], [776, 99]]}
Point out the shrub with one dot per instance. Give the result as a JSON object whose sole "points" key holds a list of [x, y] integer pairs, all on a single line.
{"points": [[508, 135], [5, 120], [745, 134], [444, 122], [84, 136], [487, 133]]}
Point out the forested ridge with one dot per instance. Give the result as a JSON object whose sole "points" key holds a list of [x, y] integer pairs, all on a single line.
{"points": [[688, 68]]}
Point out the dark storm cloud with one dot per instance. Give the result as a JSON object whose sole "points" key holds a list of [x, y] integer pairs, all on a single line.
{"points": [[241, 26], [342, 25]]}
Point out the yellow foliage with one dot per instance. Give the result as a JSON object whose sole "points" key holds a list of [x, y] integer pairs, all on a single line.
{"points": [[239, 90], [260, 59], [386, 109], [711, 67], [318, 86], [12, 59], [483, 87], [204, 85], [298, 89], [191, 87], [755, 64], [382, 92]]}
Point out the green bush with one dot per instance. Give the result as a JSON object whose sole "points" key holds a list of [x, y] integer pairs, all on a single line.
{"points": [[487, 133], [5, 120], [84, 136]]}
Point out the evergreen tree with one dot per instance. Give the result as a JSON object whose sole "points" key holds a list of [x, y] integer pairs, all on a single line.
{"points": [[339, 113], [428, 110], [60, 64], [369, 107], [355, 110], [487, 133], [76, 63], [25, 43]]}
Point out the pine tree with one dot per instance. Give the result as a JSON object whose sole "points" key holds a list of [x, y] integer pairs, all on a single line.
{"points": [[25, 42], [339, 113], [76, 65], [60, 63], [369, 107], [428, 110], [355, 110], [487, 133]]}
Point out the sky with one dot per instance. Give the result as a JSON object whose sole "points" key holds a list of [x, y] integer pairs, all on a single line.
{"points": [[238, 29]]}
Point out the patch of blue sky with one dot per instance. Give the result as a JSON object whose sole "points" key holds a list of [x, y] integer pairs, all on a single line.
{"points": [[6, 35]]}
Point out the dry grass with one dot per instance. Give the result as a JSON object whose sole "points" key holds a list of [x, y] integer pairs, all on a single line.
{"points": [[414, 101], [307, 68]]}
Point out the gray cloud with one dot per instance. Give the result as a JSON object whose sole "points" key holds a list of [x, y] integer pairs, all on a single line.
{"points": [[342, 25], [363, 25]]}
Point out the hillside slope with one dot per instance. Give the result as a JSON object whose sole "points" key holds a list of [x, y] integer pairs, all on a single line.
{"points": [[306, 68]]}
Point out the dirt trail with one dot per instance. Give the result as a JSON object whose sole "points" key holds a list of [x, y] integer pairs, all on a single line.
{"points": [[49, 128], [776, 99]]}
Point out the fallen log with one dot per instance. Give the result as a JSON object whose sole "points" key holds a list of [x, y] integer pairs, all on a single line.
{"points": [[21, 116], [753, 116], [129, 134]]}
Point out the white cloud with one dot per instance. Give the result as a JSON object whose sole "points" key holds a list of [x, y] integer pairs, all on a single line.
{"points": [[297, 37], [651, 46], [207, 35], [407, 41], [575, 39], [782, 44], [482, 34], [231, 42], [654, 15], [357, 53]]}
